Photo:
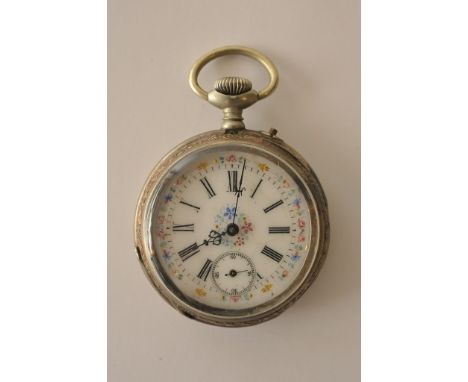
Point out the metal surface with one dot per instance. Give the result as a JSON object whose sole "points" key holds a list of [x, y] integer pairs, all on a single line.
{"points": [[228, 50], [233, 85], [233, 94], [317, 205]]}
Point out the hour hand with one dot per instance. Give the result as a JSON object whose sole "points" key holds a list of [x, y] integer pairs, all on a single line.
{"points": [[214, 238]]}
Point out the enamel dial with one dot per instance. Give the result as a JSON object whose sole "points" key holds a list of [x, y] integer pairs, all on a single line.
{"points": [[230, 229]]}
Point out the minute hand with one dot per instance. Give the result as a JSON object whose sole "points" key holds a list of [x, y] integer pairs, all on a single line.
{"points": [[238, 193]]}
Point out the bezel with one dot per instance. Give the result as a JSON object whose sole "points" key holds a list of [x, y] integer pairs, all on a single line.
{"points": [[317, 205]]}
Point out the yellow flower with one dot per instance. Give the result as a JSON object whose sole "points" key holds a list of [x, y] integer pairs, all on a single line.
{"points": [[202, 166], [266, 288], [263, 167], [200, 292]]}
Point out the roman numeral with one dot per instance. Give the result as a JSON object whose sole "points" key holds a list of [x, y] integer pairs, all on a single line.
{"points": [[188, 252], [205, 271], [233, 184], [272, 254], [183, 228], [259, 276], [273, 206], [279, 229], [256, 188], [190, 205], [208, 187]]}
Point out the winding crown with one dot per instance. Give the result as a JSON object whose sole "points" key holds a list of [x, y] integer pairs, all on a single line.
{"points": [[233, 85]]}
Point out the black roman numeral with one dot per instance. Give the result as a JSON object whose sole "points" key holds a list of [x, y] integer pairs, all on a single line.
{"points": [[190, 205], [272, 254], [256, 188], [208, 187], [188, 252], [279, 229], [206, 269], [273, 206], [183, 228], [233, 184]]}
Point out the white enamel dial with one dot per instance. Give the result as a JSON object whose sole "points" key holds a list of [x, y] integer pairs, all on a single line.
{"points": [[231, 229]]}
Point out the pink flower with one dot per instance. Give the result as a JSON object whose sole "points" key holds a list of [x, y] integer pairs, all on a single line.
{"points": [[239, 241], [301, 223], [247, 227]]}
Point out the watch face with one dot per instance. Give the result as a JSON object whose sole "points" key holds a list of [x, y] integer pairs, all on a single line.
{"points": [[229, 229]]}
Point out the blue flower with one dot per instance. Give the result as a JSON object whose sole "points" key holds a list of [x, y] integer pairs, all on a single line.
{"points": [[167, 198], [229, 212], [166, 255], [296, 258]]}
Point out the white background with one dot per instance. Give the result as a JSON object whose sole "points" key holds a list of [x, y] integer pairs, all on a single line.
{"points": [[52, 121]]}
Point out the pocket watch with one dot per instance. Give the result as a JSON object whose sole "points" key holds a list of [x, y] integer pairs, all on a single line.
{"points": [[232, 227]]}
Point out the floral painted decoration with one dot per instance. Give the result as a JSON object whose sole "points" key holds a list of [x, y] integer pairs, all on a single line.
{"points": [[202, 166], [263, 167], [297, 203], [296, 257], [229, 212], [226, 217], [247, 226], [166, 255]]}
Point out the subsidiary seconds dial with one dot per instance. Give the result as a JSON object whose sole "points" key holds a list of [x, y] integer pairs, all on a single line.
{"points": [[233, 273]]}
